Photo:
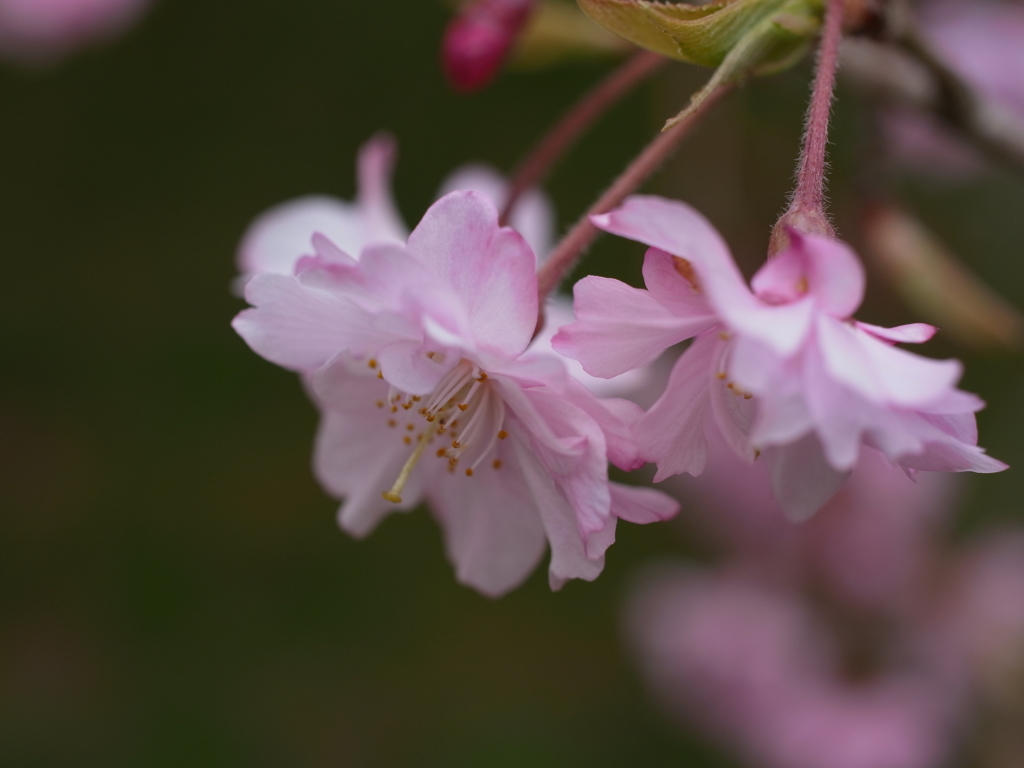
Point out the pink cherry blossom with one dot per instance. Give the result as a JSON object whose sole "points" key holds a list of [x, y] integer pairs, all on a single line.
{"points": [[419, 355], [785, 371], [755, 667], [976, 635], [40, 30]]}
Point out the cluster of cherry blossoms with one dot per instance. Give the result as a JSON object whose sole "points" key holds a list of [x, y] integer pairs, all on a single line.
{"points": [[441, 377], [418, 351]]}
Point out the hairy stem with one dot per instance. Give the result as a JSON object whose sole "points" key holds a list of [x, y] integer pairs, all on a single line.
{"points": [[536, 166], [807, 207], [569, 250]]}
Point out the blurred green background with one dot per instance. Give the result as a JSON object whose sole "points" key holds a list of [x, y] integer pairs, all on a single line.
{"points": [[173, 588]]}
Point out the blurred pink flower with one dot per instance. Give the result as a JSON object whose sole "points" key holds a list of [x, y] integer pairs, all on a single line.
{"points": [[479, 38], [423, 348], [981, 41], [753, 666], [783, 368], [976, 635], [42, 30], [275, 241], [870, 546]]}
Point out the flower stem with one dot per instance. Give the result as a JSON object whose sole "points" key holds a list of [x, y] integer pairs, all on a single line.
{"points": [[575, 123], [807, 208], [569, 250]]}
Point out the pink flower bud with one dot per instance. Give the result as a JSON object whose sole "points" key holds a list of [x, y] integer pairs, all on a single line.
{"points": [[478, 40]]}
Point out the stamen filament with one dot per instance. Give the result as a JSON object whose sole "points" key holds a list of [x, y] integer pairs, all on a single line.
{"points": [[395, 494]]}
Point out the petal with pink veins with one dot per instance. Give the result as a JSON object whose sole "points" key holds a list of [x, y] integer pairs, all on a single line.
{"points": [[642, 505], [672, 281], [823, 269], [619, 328], [882, 373], [671, 433], [533, 215], [491, 270], [298, 327], [568, 558], [915, 333], [492, 530]]}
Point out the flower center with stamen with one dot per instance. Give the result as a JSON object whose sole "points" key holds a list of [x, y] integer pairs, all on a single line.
{"points": [[464, 413]]}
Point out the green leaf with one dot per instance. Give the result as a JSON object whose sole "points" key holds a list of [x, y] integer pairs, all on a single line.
{"points": [[737, 37]]}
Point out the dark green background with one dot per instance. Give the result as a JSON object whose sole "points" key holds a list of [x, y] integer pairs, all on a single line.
{"points": [[173, 588]]}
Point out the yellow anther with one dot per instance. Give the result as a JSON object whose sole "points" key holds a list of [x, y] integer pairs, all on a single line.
{"points": [[380, 403], [469, 472], [685, 269], [442, 452], [722, 375], [407, 440], [392, 423], [410, 427], [372, 363], [394, 409], [456, 444], [502, 435], [463, 406], [496, 464], [380, 374]]}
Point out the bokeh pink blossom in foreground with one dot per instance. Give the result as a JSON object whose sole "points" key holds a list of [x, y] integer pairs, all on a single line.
{"points": [[858, 640], [39, 31]]}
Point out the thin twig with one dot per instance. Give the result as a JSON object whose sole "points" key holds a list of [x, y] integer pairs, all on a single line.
{"points": [[575, 123], [569, 250]]}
